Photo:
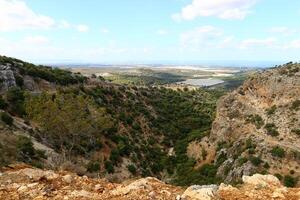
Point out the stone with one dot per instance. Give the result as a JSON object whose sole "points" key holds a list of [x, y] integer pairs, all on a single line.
{"points": [[136, 185], [81, 193], [98, 187], [7, 77], [68, 178], [32, 185], [197, 192], [22, 188], [152, 194], [261, 180]]}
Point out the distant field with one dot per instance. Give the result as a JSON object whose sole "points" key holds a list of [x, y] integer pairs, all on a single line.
{"points": [[218, 77]]}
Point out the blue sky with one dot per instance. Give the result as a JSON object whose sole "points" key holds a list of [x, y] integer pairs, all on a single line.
{"points": [[150, 31]]}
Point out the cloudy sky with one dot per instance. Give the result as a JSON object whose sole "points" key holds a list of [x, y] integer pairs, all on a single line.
{"points": [[115, 31]]}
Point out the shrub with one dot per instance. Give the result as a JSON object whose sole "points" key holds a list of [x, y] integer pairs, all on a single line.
{"points": [[115, 156], [296, 131], [15, 98], [132, 169], [266, 165], [279, 176], [25, 148], [278, 152], [93, 166], [295, 105], [256, 120], [19, 81], [3, 104], [109, 167], [256, 161], [41, 154], [6, 118], [271, 129], [271, 110], [242, 160], [289, 181]]}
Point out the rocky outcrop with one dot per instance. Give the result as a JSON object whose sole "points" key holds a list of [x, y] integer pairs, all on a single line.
{"points": [[257, 126], [7, 77], [21, 182]]}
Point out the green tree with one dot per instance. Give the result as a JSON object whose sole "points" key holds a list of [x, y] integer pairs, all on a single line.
{"points": [[7, 118]]}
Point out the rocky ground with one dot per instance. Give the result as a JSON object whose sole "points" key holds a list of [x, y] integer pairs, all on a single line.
{"points": [[23, 183]]}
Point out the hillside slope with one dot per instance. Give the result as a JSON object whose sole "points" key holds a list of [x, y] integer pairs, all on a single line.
{"points": [[92, 127], [257, 127]]}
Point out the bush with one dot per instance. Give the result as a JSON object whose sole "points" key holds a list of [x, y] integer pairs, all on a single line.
{"points": [[256, 161], [25, 149], [132, 169], [6, 118], [271, 110], [289, 181], [256, 120], [41, 154], [242, 160], [278, 152], [3, 104], [109, 167], [295, 105], [279, 176], [266, 165], [93, 166], [19, 81], [271, 129], [296, 131], [15, 98]]}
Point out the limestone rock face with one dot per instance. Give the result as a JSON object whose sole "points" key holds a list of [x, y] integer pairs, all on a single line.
{"points": [[262, 115], [7, 77]]}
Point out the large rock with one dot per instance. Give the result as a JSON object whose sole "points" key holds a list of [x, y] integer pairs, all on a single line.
{"points": [[263, 180], [7, 77], [197, 192], [136, 185]]}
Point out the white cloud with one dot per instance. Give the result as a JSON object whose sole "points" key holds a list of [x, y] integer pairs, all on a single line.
{"points": [[104, 30], [38, 48], [161, 32], [224, 9], [201, 37], [283, 30], [16, 15], [82, 28], [253, 43], [295, 44], [64, 24], [35, 40]]}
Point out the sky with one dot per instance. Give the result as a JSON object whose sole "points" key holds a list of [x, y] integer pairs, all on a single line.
{"points": [[150, 31]]}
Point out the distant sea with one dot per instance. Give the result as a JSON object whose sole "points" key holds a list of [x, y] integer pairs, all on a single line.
{"points": [[197, 64]]}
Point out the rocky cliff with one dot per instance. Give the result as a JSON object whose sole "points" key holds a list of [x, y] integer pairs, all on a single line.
{"points": [[21, 182], [257, 127]]}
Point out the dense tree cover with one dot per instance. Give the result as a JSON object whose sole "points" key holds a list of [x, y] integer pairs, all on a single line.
{"points": [[138, 123], [69, 122]]}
